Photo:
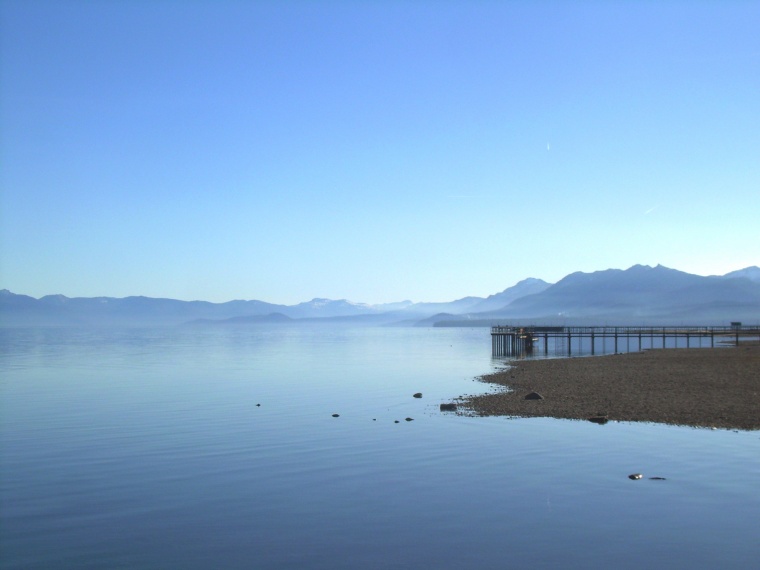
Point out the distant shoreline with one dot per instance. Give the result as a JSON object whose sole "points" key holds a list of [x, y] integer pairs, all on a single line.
{"points": [[700, 387]]}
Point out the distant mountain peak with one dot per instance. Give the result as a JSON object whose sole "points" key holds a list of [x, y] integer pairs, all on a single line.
{"points": [[648, 268], [318, 302], [752, 273], [528, 286], [529, 280]]}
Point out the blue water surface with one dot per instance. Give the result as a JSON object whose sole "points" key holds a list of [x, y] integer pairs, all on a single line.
{"points": [[217, 448]]}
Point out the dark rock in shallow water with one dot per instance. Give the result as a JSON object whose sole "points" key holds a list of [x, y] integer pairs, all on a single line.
{"points": [[635, 476], [417, 395], [410, 419], [336, 415], [448, 407], [396, 422], [534, 396], [657, 479], [601, 420]]}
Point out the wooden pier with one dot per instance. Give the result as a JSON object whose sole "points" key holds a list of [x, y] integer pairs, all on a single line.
{"points": [[527, 340]]}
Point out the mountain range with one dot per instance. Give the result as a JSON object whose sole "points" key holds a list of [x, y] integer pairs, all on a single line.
{"points": [[639, 294]]}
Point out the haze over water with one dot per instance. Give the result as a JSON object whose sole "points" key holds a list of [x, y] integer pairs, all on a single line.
{"points": [[374, 152], [146, 448]]}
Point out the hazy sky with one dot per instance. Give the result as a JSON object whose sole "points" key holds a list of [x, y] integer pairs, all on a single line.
{"points": [[374, 151]]}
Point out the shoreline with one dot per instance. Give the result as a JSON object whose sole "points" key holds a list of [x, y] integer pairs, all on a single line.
{"points": [[698, 387]]}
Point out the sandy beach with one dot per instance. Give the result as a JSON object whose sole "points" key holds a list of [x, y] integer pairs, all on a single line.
{"points": [[704, 387]]}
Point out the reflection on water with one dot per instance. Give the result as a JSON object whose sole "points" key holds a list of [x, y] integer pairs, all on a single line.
{"points": [[201, 448]]}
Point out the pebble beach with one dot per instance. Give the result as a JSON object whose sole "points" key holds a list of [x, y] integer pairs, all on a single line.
{"points": [[699, 387]]}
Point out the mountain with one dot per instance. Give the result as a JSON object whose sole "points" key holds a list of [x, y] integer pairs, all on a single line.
{"points": [[249, 320], [529, 286], [752, 273], [59, 310], [327, 308], [435, 319], [385, 307], [22, 310], [458, 307], [638, 294], [642, 293]]}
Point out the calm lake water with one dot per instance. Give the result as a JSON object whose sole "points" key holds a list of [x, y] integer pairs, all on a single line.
{"points": [[146, 449]]}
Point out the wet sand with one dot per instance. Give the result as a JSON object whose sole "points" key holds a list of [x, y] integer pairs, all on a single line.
{"points": [[701, 387]]}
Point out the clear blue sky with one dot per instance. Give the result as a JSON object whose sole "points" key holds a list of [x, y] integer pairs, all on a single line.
{"points": [[374, 151]]}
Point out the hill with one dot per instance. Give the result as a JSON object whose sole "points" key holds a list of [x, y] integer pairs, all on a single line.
{"points": [[631, 296], [642, 293]]}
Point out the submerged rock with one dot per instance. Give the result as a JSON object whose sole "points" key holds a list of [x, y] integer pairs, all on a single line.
{"points": [[410, 419], [448, 407], [601, 420], [417, 395], [336, 415], [635, 476]]}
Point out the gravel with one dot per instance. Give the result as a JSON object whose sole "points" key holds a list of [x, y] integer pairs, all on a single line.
{"points": [[701, 387]]}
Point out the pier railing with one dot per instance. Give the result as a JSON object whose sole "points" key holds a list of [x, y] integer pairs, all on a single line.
{"points": [[513, 340]]}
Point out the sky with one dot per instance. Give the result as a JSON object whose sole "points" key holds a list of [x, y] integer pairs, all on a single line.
{"points": [[374, 151]]}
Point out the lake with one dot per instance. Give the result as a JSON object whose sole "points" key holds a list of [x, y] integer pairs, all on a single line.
{"points": [[217, 448]]}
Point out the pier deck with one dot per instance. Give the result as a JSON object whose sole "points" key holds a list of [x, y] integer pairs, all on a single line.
{"points": [[525, 340]]}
